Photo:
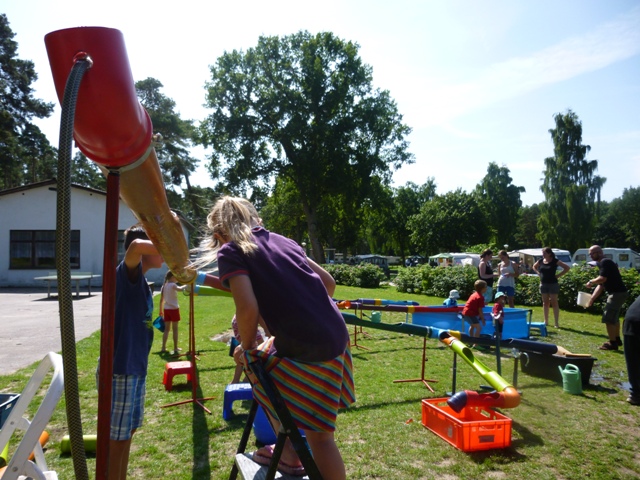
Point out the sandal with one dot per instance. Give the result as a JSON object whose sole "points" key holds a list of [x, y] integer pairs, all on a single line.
{"points": [[609, 346], [263, 456]]}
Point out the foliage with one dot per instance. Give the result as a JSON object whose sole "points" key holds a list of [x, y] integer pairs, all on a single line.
{"points": [[526, 235], [619, 224], [26, 155], [363, 275], [437, 281], [302, 108], [86, 173], [570, 186], [174, 138], [448, 223], [387, 220], [500, 200]]}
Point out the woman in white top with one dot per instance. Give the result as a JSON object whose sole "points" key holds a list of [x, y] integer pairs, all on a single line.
{"points": [[507, 274]]}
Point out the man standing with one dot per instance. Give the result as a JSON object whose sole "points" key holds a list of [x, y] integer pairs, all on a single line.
{"points": [[631, 334], [611, 281]]}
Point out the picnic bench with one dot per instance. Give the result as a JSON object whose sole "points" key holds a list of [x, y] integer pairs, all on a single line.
{"points": [[76, 277]]}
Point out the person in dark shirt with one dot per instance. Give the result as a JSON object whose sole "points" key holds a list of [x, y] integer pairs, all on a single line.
{"points": [[631, 335], [611, 281]]}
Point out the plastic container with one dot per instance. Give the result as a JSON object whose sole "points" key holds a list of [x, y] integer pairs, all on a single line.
{"points": [[7, 402], [473, 429], [583, 299], [571, 379]]}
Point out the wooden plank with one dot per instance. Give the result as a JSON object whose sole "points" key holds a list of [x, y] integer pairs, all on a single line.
{"points": [[250, 470]]}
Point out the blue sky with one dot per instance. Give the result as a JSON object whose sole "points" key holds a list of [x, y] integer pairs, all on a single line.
{"points": [[478, 82]]}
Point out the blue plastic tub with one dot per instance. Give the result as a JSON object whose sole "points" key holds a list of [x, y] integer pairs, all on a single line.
{"points": [[7, 402], [516, 321]]}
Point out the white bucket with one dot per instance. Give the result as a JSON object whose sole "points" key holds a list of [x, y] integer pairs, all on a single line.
{"points": [[583, 299]]}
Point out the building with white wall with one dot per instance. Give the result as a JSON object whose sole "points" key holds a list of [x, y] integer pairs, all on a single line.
{"points": [[27, 233]]}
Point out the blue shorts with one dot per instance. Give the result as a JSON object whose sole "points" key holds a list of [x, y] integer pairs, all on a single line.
{"points": [[509, 291], [471, 320], [127, 405]]}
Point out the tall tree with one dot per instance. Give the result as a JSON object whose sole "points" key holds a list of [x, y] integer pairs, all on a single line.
{"points": [[303, 108], [21, 142], [173, 146], [526, 235], [387, 222], [619, 224], [86, 173], [571, 188], [500, 200], [449, 223]]}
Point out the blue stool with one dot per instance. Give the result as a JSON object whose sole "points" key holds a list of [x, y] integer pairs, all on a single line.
{"points": [[262, 429], [233, 392], [540, 326]]}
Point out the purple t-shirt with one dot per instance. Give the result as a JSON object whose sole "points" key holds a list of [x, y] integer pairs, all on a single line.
{"points": [[291, 297]]}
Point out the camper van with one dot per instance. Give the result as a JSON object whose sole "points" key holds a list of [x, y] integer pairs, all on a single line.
{"points": [[529, 256], [624, 257]]}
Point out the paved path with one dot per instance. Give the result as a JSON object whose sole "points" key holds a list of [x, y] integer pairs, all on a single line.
{"points": [[30, 324]]}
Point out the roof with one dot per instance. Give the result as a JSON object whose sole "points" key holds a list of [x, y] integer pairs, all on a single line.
{"points": [[45, 183]]}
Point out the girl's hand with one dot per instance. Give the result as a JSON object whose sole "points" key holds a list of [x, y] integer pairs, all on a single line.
{"points": [[238, 356]]}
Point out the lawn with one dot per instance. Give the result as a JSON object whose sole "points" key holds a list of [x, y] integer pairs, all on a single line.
{"points": [[555, 434]]}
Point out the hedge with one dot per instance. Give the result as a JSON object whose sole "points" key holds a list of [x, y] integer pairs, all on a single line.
{"points": [[438, 281], [364, 275]]}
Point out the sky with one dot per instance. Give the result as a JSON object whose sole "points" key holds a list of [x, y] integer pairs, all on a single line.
{"points": [[477, 81]]}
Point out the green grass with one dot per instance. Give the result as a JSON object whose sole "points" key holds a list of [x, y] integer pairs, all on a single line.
{"points": [[555, 435]]}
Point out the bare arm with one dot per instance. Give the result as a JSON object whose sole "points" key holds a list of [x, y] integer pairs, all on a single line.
{"points": [[247, 312], [565, 268], [536, 265], [327, 279]]}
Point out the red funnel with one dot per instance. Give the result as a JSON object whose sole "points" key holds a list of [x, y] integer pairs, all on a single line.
{"points": [[111, 127]]}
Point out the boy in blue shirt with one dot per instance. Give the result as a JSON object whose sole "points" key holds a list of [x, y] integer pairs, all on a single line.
{"points": [[452, 301]]}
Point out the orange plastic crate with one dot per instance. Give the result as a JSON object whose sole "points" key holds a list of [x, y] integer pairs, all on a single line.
{"points": [[474, 428]]}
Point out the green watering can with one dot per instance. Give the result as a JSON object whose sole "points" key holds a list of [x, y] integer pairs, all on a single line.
{"points": [[571, 379]]}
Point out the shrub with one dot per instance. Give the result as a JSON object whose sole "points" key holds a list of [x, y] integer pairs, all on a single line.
{"points": [[364, 275], [437, 281]]}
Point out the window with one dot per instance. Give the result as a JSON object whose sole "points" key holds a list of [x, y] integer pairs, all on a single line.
{"points": [[623, 257], [36, 249], [581, 257], [121, 251]]}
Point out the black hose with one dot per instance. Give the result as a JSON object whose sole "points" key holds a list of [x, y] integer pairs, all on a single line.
{"points": [[63, 267]]}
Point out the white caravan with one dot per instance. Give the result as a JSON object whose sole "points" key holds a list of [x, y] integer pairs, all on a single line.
{"points": [[624, 257], [529, 256]]}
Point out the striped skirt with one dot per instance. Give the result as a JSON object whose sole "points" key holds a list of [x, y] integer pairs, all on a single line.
{"points": [[312, 391]]}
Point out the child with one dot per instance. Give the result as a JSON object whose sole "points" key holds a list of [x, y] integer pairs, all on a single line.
{"points": [[498, 313], [259, 339], [452, 301], [270, 275], [170, 310], [472, 311], [133, 337]]}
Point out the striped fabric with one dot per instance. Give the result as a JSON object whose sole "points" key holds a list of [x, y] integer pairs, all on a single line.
{"points": [[313, 391]]}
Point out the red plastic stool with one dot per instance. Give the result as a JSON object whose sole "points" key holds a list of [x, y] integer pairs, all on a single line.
{"points": [[171, 369]]}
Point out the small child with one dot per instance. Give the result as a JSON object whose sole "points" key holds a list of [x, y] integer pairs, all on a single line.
{"points": [[170, 310], [472, 312], [259, 339], [452, 301], [498, 313]]}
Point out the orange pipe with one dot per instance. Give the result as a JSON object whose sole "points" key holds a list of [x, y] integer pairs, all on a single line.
{"points": [[44, 438], [142, 189]]}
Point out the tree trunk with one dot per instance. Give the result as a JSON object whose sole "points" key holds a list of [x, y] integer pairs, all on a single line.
{"points": [[317, 252]]}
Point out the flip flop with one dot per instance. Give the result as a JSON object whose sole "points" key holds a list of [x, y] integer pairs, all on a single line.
{"points": [[263, 456]]}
